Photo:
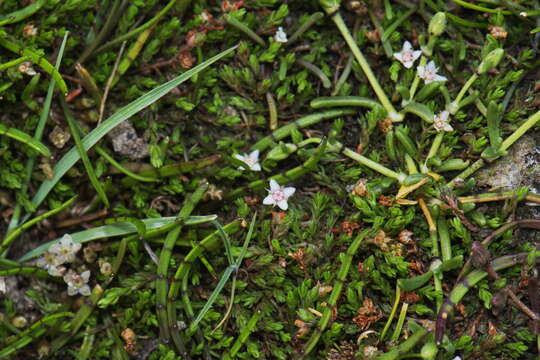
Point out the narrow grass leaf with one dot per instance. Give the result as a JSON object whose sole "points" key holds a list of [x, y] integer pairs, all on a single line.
{"points": [[25, 139], [120, 228], [72, 156]]}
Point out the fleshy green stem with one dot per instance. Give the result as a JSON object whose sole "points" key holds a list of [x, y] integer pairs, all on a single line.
{"points": [[453, 107], [531, 121], [394, 115], [373, 165]]}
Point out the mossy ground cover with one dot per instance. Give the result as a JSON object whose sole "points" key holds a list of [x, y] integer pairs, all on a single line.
{"points": [[268, 179]]}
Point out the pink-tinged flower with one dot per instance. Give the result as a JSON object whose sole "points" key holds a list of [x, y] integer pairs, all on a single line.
{"points": [[51, 262], [251, 160], [441, 122], [278, 195], [407, 56], [77, 283], [429, 73], [65, 249]]}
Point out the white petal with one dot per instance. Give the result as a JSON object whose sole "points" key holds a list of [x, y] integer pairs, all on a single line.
{"points": [[444, 115], [408, 64], [269, 200], [57, 271], [66, 240], [240, 157], [76, 247], [85, 275], [254, 155], [241, 168], [288, 191], [85, 290], [399, 56], [431, 66], [407, 46], [421, 71], [256, 167], [274, 185], [55, 248], [72, 290], [439, 78], [283, 204], [427, 81], [448, 127], [416, 54]]}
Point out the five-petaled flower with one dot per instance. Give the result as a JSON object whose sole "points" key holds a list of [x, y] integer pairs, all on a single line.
{"points": [[429, 73], [51, 262], [278, 195], [65, 249], [77, 283], [251, 160], [280, 36], [441, 122], [407, 56]]}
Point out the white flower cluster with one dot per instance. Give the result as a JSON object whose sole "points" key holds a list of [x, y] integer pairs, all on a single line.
{"points": [[63, 253], [407, 56]]}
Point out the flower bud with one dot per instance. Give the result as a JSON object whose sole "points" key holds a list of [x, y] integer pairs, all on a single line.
{"points": [[330, 6], [282, 151], [437, 24], [491, 60], [19, 322], [429, 350]]}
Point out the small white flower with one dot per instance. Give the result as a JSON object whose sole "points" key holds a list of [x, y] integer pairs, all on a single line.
{"points": [[407, 56], [278, 195], [26, 68], [280, 36], [77, 283], [429, 73], [65, 249], [51, 262], [251, 160], [441, 122]]}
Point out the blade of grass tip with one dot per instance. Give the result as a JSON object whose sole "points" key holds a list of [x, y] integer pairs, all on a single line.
{"points": [[70, 158], [24, 138], [83, 154], [15, 62], [43, 116], [246, 242], [226, 241], [19, 230], [162, 288]]}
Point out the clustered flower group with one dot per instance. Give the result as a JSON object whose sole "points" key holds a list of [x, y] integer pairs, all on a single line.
{"points": [[63, 253], [407, 56]]}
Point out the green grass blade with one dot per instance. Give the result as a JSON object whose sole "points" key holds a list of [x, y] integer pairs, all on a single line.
{"points": [[25, 139], [74, 129], [22, 14], [70, 158], [213, 297], [43, 116], [120, 228], [38, 60], [228, 272]]}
